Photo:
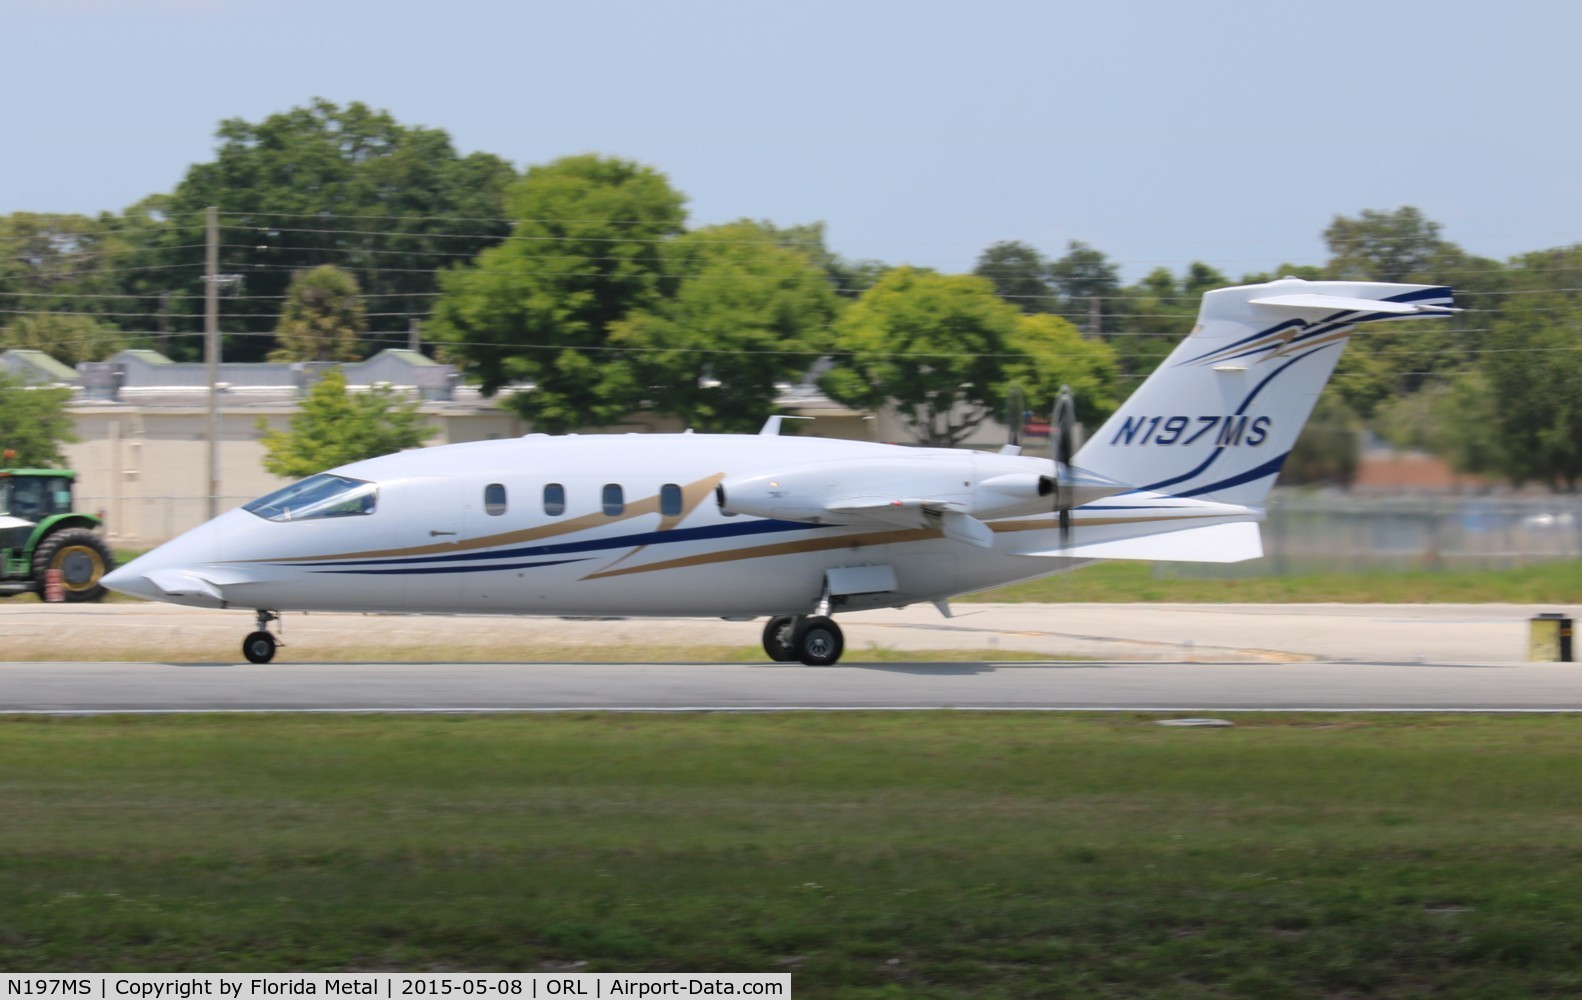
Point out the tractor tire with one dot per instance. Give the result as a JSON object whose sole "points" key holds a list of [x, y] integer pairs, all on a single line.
{"points": [[82, 558]]}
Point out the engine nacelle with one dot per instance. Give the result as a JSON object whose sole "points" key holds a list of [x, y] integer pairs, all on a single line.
{"points": [[813, 493]]}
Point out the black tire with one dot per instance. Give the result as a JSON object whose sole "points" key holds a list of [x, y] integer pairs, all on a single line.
{"points": [[259, 647], [818, 641], [777, 640], [82, 558]]}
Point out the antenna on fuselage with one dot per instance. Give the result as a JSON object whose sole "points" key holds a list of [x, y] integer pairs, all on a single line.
{"points": [[771, 426]]}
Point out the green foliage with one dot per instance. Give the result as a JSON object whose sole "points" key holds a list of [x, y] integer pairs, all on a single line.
{"points": [[65, 337], [1050, 352], [1328, 449], [997, 854], [323, 318], [1020, 275], [1383, 246], [333, 427], [33, 424], [1535, 373], [331, 184], [932, 344], [1079, 277], [1128, 582], [744, 315], [1157, 312], [583, 254], [52, 263], [1456, 418], [849, 278]]}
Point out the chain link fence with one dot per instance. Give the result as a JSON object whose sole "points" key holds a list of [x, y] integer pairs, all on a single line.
{"points": [[1305, 533]]}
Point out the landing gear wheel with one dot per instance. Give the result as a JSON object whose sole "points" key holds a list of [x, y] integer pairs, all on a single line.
{"points": [[82, 558], [777, 639], [259, 647], [818, 641]]}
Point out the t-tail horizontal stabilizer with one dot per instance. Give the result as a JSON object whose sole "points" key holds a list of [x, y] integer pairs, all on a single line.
{"points": [[1218, 419]]}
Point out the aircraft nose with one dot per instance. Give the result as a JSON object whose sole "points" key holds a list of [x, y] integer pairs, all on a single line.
{"points": [[161, 574], [130, 581]]}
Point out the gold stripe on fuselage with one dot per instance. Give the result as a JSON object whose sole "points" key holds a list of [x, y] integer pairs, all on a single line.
{"points": [[692, 495]]}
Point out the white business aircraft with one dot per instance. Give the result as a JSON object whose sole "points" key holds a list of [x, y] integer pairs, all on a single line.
{"points": [[790, 528]]}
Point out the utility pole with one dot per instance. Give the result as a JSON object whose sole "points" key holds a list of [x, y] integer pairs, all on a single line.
{"points": [[1095, 305], [211, 352]]}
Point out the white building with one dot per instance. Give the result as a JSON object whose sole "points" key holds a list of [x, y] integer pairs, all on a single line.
{"points": [[142, 426]]}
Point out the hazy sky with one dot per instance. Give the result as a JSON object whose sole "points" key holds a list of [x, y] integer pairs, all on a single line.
{"points": [[919, 131]]}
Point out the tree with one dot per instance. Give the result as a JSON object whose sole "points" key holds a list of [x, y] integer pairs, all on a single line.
{"points": [[1390, 360], [1383, 246], [66, 337], [744, 316], [932, 344], [333, 427], [1534, 370], [56, 263], [323, 318], [1456, 418], [326, 184], [538, 309], [1327, 450], [33, 424], [1020, 275], [1049, 353], [1079, 277], [1154, 314]]}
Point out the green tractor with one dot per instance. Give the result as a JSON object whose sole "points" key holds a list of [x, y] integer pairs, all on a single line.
{"points": [[39, 532]]}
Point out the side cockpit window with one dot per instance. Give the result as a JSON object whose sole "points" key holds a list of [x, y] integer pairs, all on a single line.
{"points": [[323, 495]]}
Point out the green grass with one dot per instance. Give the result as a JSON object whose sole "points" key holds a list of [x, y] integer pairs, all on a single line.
{"points": [[1126, 582], [928, 854]]}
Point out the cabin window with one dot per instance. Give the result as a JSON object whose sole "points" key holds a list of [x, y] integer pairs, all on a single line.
{"points": [[614, 500], [317, 496], [494, 499], [670, 500], [554, 499]]}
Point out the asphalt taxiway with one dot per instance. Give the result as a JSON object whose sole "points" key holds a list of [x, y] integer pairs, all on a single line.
{"points": [[1142, 657]]}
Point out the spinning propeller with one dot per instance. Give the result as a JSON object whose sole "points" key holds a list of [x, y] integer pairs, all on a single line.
{"points": [[1062, 445]]}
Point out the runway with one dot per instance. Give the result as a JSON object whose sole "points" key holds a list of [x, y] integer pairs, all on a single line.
{"points": [[1135, 657], [75, 687]]}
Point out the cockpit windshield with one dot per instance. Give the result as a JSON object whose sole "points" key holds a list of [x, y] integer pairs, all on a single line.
{"points": [[323, 495]]}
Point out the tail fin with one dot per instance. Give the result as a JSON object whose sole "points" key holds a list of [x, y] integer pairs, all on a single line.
{"points": [[1219, 417]]}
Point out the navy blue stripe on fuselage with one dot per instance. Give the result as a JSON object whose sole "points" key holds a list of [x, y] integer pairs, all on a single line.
{"points": [[708, 533]]}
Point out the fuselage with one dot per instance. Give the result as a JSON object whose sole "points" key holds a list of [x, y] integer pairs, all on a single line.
{"points": [[590, 525]]}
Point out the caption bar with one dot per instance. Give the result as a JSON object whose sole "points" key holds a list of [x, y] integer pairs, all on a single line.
{"points": [[393, 985]]}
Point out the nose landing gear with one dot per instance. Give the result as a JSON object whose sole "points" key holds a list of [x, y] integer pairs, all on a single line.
{"points": [[814, 640], [260, 646]]}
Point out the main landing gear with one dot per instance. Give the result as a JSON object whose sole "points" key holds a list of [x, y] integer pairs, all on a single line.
{"points": [[260, 646], [813, 639]]}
